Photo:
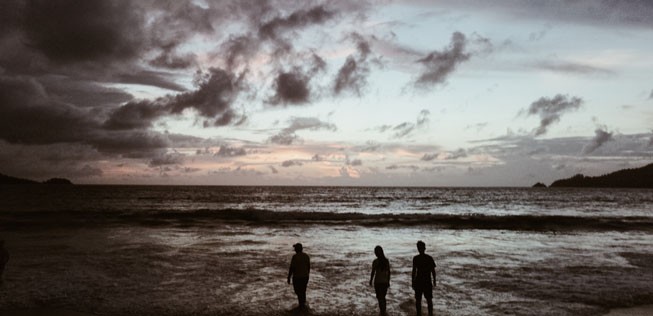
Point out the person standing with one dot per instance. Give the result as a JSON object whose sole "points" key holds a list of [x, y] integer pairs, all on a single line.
{"points": [[4, 258], [300, 268], [423, 268], [380, 278]]}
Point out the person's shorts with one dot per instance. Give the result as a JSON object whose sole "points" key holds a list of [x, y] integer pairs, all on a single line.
{"points": [[424, 289]]}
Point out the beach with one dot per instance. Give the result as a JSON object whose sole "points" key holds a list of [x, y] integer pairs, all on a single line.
{"points": [[175, 262]]}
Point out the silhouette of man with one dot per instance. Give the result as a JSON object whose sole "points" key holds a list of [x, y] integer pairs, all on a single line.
{"points": [[423, 268], [300, 268], [4, 258], [380, 277]]}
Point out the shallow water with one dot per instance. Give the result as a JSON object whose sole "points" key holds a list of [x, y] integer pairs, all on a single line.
{"points": [[241, 269], [161, 263]]}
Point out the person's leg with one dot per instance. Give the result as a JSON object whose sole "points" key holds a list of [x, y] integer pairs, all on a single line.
{"points": [[381, 290], [418, 301], [302, 284], [428, 294]]}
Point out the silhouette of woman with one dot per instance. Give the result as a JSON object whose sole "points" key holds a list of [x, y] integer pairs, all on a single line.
{"points": [[380, 277]]}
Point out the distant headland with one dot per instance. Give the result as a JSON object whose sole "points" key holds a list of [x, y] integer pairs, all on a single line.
{"points": [[5, 179], [626, 178]]}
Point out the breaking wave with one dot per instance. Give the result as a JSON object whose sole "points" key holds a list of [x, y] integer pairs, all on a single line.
{"points": [[200, 217]]}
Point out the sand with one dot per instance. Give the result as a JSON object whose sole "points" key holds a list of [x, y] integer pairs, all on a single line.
{"points": [[44, 312], [644, 310]]}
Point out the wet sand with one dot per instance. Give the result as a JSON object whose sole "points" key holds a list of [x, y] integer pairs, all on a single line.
{"points": [[44, 312], [644, 310]]}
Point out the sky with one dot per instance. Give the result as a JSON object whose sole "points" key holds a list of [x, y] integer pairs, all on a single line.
{"points": [[254, 92]]}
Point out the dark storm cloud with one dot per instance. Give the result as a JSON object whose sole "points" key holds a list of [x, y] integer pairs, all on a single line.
{"points": [[551, 109], [81, 93], [82, 30], [352, 75], [601, 135], [135, 115], [274, 28], [287, 136], [213, 99], [29, 116], [438, 65], [172, 60], [291, 88]]}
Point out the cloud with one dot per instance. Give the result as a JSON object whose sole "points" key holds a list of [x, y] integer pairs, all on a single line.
{"points": [[274, 28], [409, 167], [291, 163], [551, 109], [438, 65], [226, 151], [171, 60], [354, 162], [74, 31], [291, 88], [600, 13], [460, 153], [601, 135], [352, 75], [166, 159], [650, 96], [406, 128], [287, 135], [429, 157], [572, 68], [217, 91], [135, 115]]}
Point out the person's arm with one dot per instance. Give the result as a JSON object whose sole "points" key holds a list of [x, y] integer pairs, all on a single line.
{"points": [[433, 273], [290, 270], [389, 273], [373, 272], [414, 274]]}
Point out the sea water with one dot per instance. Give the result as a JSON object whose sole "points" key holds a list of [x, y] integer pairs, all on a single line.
{"points": [[179, 250]]}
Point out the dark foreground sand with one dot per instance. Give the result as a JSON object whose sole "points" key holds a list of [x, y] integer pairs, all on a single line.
{"points": [[44, 312], [645, 310]]}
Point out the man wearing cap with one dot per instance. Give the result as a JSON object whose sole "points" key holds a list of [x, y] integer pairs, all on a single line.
{"points": [[300, 267]]}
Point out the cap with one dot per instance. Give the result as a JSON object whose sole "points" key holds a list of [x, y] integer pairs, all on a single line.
{"points": [[298, 245]]}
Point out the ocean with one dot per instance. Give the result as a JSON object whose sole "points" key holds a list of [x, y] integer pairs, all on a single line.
{"points": [[203, 250]]}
